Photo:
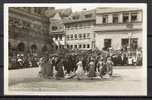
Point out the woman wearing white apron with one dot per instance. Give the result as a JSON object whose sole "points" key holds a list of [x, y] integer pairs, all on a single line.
{"points": [[79, 71], [41, 67]]}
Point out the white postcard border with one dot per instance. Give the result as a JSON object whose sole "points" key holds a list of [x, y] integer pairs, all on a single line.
{"points": [[97, 93]]}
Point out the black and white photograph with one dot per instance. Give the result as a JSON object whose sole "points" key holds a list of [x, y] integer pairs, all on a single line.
{"points": [[78, 49]]}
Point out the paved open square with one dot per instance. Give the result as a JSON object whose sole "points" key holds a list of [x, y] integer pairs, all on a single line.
{"points": [[124, 81]]}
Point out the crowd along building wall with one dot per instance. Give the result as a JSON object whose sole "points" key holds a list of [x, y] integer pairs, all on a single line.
{"points": [[87, 29], [114, 27]]}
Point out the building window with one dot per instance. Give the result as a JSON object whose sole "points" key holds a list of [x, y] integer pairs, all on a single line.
{"points": [[107, 43], [21, 47], [133, 43], [88, 46], [88, 16], [75, 36], [133, 17], [80, 46], [126, 17], [71, 36], [84, 35], [124, 43], [75, 46], [67, 46], [33, 48], [80, 36], [84, 46], [115, 18], [75, 17], [105, 19], [71, 46], [54, 28]]}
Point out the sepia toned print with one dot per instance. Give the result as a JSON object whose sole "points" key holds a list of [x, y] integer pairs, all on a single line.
{"points": [[75, 49]]}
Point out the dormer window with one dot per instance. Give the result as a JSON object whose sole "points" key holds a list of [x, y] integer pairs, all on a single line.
{"points": [[115, 18], [75, 36], [126, 17], [133, 17], [75, 17], [105, 19], [54, 28], [88, 16], [80, 36]]}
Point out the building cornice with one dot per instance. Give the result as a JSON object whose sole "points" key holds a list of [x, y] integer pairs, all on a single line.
{"points": [[80, 20], [27, 15], [107, 24], [119, 30], [113, 12]]}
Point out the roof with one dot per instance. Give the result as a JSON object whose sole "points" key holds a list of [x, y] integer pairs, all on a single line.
{"points": [[115, 9], [81, 16]]}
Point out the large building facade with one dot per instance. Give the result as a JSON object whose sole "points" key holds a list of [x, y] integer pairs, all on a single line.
{"points": [[32, 29], [79, 29], [28, 30], [104, 28], [118, 28]]}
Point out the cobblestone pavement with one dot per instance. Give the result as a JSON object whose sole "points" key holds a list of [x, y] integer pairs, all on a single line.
{"points": [[125, 81]]}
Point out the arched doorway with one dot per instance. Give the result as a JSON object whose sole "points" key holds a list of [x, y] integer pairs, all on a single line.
{"points": [[33, 48], [21, 47]]}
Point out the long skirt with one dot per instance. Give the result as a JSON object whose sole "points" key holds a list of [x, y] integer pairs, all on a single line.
{"points": [[103, 71], [92, 72], [49, 70], [42, 70], [60, 73]]}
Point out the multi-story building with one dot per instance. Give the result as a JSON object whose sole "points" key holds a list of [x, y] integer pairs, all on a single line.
{"points": [[118, 28], [79, 29], [32, 28], [56, 30], [56, 26], [28, 30], [103, 28]]}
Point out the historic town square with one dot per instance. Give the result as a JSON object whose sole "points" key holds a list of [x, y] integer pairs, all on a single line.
{"points": [[70, 49]]}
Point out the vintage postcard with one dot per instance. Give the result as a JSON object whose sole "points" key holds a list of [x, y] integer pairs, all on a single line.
{"points": [[79, 49]]}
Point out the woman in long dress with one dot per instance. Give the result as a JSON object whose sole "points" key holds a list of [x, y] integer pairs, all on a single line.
{"points": [[109, 64], [92, 72], [49, 68], [103, 68], [79, 72], [41, 64], [60, 70], [100, 67]]}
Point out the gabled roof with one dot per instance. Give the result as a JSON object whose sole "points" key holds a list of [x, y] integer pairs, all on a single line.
{"points": [[81, 16], [57, 16]]}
